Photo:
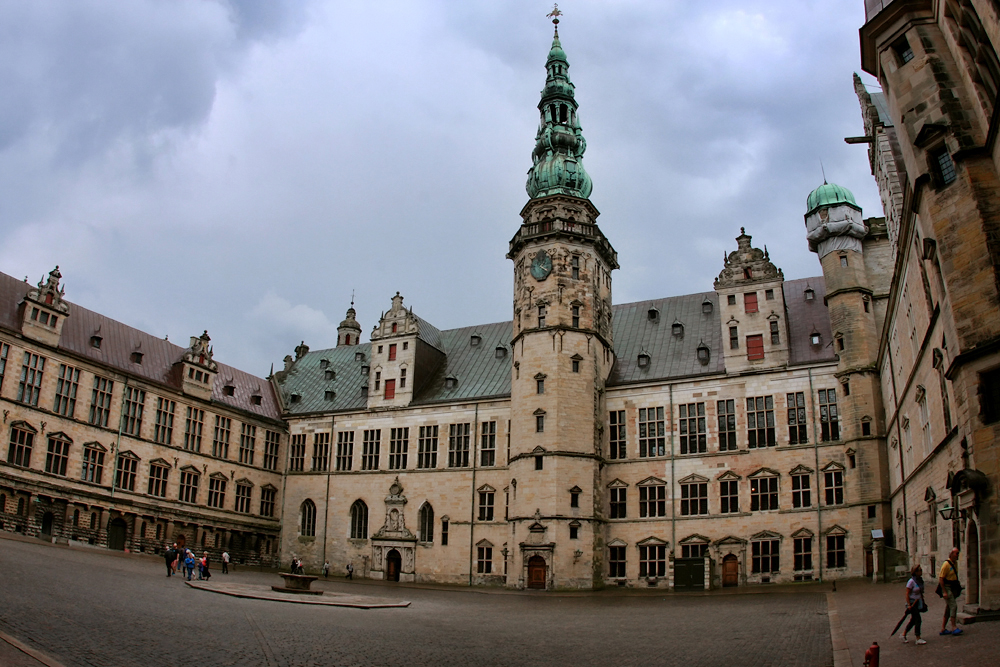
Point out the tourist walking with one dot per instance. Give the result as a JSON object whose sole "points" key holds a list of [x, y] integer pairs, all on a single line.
{"points": [[189, 564], [225, 562], [178, 563], [326, 569], [203, 565], [350, 570], [169, 556], [915, 604], [949, 588]]}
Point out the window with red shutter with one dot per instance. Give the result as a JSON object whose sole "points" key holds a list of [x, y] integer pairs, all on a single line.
{"points": [[755, 347], [390, 387], [750, 302], [392, 352]]}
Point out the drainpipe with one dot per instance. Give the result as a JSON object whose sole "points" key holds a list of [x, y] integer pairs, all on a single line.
{"points": [[326, 513], [472, 517], [673, 508], [819, 503], [899, 448], [118, 442]]}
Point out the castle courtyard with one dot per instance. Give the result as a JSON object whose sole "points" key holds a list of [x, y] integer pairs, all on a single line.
{"points": [[77, 607]]}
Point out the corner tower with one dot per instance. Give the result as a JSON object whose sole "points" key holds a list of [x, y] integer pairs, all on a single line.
{"points": [[562, 353]]}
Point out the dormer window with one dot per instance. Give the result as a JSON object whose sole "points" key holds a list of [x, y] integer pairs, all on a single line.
{"points": [[475, 340], [359, 356], [704, 354], [810, 294], [815, 338], [653, 314], [95, 342], [677, 329], [329, 395], [330, 375], [229, 390], [295, 398], [366, 369], [137, 357], [501, 352], [643, 360], [256, 399], [324, 363], [706, 307], [450, 382]]}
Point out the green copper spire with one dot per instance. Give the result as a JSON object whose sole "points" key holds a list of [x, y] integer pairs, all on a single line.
{"points": [[559, 145]]}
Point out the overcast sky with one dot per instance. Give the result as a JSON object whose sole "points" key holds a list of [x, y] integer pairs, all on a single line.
{"points": [[242, 165]]}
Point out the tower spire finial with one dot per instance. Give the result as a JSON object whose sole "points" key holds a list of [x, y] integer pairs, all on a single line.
{"points": [[554, 15], [822, 170], [352, 298]]}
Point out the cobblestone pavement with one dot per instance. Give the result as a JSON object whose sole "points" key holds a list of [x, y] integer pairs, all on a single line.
{"points": [[96, 608]]}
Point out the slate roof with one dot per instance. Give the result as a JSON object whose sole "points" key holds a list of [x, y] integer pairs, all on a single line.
{"points": [[878, 99], [478, 372], [804, 317], [428, 333], [120, 341], [307, 378]]}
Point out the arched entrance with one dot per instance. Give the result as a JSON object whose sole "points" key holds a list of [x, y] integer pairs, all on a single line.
{"points": [[393, 563], [730, 571], [117, 530], [972, 563], [536, 572], [47, 520]]}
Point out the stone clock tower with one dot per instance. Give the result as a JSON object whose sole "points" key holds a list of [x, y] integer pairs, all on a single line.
{"points": [[563, 353]]}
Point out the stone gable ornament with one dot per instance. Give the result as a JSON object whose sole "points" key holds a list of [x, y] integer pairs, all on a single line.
{"points": [[49, 292], [200, 352], [747, 265]]}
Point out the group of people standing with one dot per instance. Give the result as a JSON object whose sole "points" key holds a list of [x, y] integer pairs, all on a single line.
{"points": [[948, 589], [179, 559]]}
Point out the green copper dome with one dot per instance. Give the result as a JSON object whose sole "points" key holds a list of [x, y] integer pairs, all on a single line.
{"points": [[557, 161], [829, 194]]}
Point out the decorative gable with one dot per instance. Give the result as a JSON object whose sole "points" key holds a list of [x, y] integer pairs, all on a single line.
{"points": [[729, 475], [693, 478]]}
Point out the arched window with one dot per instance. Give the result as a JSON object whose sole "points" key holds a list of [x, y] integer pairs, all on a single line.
{"points": [[359, 520], [308, 515], [426, 520]]}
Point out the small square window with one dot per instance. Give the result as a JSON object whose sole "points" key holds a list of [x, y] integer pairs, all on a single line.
{"points": [[843, 260], [574, 532], [871, 511], [903, 50], [731, 299], [769, 294]]}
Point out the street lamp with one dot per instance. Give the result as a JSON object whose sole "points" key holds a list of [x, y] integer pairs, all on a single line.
{"points": [[951, 513]]}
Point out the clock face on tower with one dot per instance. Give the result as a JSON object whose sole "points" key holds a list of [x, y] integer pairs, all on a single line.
{"points": [[541, 265]]}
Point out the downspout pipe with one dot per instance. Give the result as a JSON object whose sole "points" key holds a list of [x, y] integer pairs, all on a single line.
{"points": [[472, 517], [819, 503], [673, 488], [330, 455], [118, 441]]}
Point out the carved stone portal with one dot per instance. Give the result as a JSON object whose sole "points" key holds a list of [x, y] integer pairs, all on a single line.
{"points": [[393, 545]]}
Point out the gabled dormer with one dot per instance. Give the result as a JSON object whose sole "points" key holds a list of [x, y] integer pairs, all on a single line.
{"points": [[43, 310], [405, 352], [196, 368]]}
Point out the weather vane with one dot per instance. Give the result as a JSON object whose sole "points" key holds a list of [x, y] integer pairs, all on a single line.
{"points": [[554, 14]]}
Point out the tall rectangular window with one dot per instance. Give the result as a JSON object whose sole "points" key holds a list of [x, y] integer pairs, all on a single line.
{"points": [[486, 505], [216, 492], [764, 556], [750, 302], [427, 447], [653, 500], [321, 451], [272, 443], [125, 474], [801, 493], [755, 347], [760, 422], [93, 464], [775, 335], [267, 496], [484, 560], [345, 450], [135, 403], [727, 425], [399, 445], [392, 352], [193, 426], [100, 403], [694, 499], [802, 553], [66, 388], [371, 444], [652, 432], [829, 420], [248, 442], [653, 560], [390, 389], [836, 552], [243, 496], [158, 475], [619, 506], [763, 494], [163, 429], [541, 316], [189, 486], [458, 445], [488, 445], [693, 432], [616, 445], [220, 436], [4, 351], [575, 314], [797, 434], [729, 495], [30, 387], [834, 483], [734, 338], [21, 442], [616, 562], [57, 456], [297, 453]]}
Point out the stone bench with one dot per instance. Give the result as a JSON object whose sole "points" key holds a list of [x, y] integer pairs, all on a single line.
{"points": [[297, 583]]}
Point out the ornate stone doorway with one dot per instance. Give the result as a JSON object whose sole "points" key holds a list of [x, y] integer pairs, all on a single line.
{"points": [[117, 531], [536, 572], [393, 564], [731, 571]]}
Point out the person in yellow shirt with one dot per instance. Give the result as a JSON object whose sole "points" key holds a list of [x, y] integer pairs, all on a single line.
{"points": [[950, 590]]}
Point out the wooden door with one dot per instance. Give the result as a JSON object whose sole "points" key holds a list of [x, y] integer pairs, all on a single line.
{"points": [[730, 571], [392, 564], [536, 572], [972, 564], [869, 563], [117, 531]]}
